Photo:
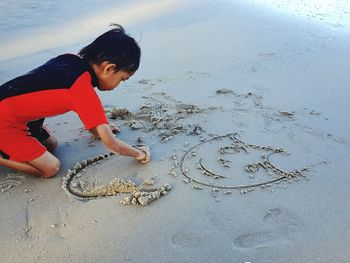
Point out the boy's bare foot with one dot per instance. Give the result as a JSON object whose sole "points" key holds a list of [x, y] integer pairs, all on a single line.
{"points": [[50, 143]]}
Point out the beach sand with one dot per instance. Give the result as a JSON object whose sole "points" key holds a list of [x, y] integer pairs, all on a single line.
{"points": [[270, 74]]}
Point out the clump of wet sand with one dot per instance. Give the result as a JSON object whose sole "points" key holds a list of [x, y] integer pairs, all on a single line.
{"points": [[162, 114]]}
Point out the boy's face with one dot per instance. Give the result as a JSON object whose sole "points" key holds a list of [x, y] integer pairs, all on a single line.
{"points": [[108, 78]]}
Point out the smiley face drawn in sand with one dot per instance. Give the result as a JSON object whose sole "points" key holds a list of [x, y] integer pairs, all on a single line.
{"points": [[236, 147]]}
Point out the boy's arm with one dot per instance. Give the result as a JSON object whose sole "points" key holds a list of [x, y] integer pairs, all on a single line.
{"points": [[120, 147], [113, 127]]}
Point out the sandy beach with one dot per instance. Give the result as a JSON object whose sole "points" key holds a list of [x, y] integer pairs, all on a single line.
{"points": [[245, 107]]}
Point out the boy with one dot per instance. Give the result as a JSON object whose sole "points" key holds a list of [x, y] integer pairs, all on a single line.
{"points": [[63, 84]]}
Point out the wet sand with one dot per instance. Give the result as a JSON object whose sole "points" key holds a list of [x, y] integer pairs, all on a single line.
{"points": [[274, 79]]}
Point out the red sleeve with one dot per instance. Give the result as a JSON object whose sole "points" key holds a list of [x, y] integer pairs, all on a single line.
{"points": [[86, 102]]}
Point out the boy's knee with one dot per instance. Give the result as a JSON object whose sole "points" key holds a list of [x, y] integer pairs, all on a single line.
{"points": [[52, 169]]}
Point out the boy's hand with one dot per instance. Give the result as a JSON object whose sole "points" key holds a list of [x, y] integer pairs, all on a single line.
{"points": [[145, 154]]}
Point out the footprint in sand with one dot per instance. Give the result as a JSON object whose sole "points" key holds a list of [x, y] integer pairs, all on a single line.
{"points": [[283, 223], [281, 219], [59, 226], [256, 240], [187, 239]]}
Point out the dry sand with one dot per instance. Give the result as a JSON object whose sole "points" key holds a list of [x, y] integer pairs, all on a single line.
{"points": [[273, 73]]}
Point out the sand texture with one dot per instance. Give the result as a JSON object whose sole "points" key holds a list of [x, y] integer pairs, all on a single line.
{"points": [[244, 105]]}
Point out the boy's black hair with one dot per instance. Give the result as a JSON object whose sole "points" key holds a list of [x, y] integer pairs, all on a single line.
{"points": [[114, 46]]}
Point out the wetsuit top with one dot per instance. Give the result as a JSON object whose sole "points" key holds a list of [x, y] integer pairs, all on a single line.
{"points": [[65, 83]]}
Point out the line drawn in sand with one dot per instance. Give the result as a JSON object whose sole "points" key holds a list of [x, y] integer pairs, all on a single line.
{"points": [[11, 180], [136, 195]]}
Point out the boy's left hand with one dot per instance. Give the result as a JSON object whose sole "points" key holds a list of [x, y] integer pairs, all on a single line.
{"points": [[144, 148]]}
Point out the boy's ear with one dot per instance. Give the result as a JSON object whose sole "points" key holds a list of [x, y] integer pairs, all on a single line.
{"points": [[110, 68]]}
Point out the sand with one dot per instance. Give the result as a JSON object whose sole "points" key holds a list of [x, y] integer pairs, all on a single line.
{"points": [[275, 74]]}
